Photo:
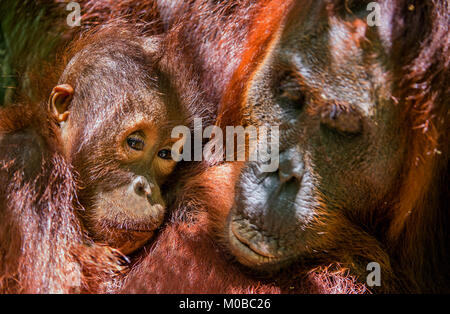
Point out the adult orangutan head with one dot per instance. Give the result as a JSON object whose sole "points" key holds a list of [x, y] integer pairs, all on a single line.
{"points": [[362, 124]]}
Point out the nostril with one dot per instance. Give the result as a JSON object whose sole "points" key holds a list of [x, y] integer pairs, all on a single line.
{"points": [[284, 176], [142, 187], [291, 166], [287, 172]]}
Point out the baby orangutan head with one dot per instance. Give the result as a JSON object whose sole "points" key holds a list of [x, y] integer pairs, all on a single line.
{"points": [[115, 115]]}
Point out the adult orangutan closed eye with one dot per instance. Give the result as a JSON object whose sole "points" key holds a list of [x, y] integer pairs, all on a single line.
{"points": [[363, 171]]}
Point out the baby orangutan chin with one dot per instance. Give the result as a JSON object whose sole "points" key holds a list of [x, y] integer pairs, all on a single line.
{"points": [[115, 115]]}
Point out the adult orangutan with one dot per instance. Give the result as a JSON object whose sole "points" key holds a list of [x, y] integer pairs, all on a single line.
{"points": [[363, 171], [363, 175]]}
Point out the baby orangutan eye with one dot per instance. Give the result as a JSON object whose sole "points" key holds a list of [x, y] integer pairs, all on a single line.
{"points": [[342, 118], [135, 142], [165, 154]]}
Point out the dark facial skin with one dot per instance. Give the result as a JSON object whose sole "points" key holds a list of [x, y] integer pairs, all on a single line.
{"points": [[115, 117], [340, 146]]}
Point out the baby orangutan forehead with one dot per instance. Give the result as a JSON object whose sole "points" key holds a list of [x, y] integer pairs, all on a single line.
{"points": [[115, 89], [143, 106], [136, 109]]}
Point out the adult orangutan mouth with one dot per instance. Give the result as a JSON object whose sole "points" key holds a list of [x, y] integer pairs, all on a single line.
{"points": [[249, 255], [247, 244]]}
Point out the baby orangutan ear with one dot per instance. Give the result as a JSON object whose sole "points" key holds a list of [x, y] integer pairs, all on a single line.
{"points": [[59, 102]]}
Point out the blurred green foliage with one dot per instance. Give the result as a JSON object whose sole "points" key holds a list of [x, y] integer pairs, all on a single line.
{"points": [[30, 31], [6, 78]]}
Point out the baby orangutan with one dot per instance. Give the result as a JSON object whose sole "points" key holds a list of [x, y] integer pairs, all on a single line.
{"points": [[115, 114], [81, 174]]}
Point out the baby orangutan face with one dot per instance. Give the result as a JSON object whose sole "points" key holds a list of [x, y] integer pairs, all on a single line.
{"points": [[116, 115]]}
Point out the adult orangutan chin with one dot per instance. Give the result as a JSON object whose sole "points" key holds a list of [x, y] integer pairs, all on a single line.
{"points": [[364, 150]]}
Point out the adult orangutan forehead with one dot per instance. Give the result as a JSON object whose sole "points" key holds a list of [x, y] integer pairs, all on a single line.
{"points": [[307, 18]]}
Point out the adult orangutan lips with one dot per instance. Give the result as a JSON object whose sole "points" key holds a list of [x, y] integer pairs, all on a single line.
{"points": [[254, 249], [244, 253], [248, 244], [252, 256]]}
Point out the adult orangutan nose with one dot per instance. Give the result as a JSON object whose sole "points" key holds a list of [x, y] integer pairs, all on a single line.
{"points": [[291, 165]]}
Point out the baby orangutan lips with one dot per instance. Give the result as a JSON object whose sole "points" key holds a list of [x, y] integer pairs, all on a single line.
{"points": [[126, 218], [128, 241]]}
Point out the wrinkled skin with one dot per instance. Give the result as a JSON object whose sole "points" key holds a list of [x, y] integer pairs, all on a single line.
{"points": [[344, 186], [340, 144]]}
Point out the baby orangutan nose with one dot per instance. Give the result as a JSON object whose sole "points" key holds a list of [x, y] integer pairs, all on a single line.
{"points": [[142, 187], [145, 202]]}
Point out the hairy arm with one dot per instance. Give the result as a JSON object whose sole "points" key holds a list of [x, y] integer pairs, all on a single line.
{"points": [[42, 246]]}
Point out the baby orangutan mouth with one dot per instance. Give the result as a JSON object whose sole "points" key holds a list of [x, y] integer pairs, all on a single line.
{"points": [[128, 241], [127, 217]]}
